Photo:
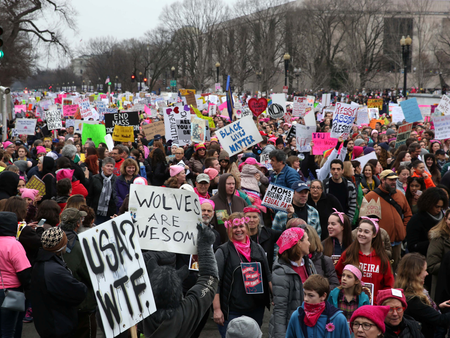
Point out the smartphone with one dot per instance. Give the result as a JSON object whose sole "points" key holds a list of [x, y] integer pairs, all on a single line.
{"points": [[419, 192], [41, 222]]}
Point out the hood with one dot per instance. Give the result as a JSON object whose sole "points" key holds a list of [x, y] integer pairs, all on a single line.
{"points": [[357, 151], [222, 187], [47, 165], [22, 165], [436, 234], [249, 169], [8, 225], [9, 182]]}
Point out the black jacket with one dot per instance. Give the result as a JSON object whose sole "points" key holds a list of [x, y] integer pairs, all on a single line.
{"points": [[95, 190], [8, 184], [55, 295], [48, 177], [409, 329], [324, 207], [417, 232], [267, 238]]}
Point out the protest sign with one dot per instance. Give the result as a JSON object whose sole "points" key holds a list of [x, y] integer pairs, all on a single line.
{"points": [[152, 129], [326, 100], [85, 108], [303, 137], [70, 110], [397, 115], [257, 106], [118, 274], [252, 276], [403, 133], [198, 130], [53, 118], [375, 103], [343, 119], [212, 109], [278, 197], [425, 110], [444, 105], [264, 159], [300, 104], [122, 119], [185, 92], [362, 116], [364, 159], [310, 119], [166, 218], [411, 110], [190, 100], [78, 124], [322, 142], [278, 106], [25, 126], [177, 122], [123, 134], [441, 127], [373, 113], [18, 109], [203, 117], [96, 132], [36, 183], [310, 100], [238, 135], [373, 123]]}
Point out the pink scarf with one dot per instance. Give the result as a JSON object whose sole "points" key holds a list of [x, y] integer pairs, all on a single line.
{"points": [[243, 248]]}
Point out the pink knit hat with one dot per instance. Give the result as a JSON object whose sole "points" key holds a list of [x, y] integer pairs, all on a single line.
{"points": [[205, 200], [30, 193], [64, 173], [391, 293], [6, 144], [289, 238], [40, 149], [376, 314], [175, 170], [211, 172]]}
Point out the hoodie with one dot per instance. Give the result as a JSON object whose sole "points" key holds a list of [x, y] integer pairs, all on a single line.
{"points": [[8, 184], [48, 178]]}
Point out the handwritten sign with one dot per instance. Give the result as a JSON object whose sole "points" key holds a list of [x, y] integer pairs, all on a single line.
{"points": [[118, 274], [177, 122], [278, 197], [198, 130], [304, 137], [18, 109], [363, 116], [203, 117], [403, 133], [53, 118], [444, 105], [85, 108], [36, 183], [411, 110], [70, 110], [238, 135], [322, 142], [152, 129], [375, 103], [166, 218], [397, 115], [441, 127], [25, 126], [343, 119], [300, 105], [122, 134]]}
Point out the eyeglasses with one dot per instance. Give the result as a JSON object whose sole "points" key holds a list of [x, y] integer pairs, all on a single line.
{"points": [[397, 309], [316, 188], [179, 153], [365, 326]]}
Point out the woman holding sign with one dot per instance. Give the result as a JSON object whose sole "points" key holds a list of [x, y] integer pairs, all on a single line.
{"points": [[244, 275]]}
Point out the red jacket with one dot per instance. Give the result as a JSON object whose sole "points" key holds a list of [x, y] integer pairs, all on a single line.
{"points": [[371, 267], [428, 181], [78, 189]]}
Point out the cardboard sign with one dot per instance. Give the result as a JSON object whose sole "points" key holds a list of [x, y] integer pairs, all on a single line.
{"points": [[198, 130], [322, 142], [36, 183], [152, 129], [177, 122], [441, 127], [375, 103], [191, 101], [444, 105], [303, 137], [411, 110], [403, 133], [185, 92], [238, 135], [26, 126], [278, 197], [343, 119], [252, 275], [300, 105], [53, 118], [166, 218], [118, 274], [70, 110], [122, 119], [123, 134]]}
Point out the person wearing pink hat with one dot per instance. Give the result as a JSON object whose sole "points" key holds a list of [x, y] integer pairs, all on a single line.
{"points": [[368, 321], [29, 195], [177, 177]]}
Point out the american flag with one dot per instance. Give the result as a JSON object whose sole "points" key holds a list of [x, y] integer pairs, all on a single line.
{"points": [[107, 80]]}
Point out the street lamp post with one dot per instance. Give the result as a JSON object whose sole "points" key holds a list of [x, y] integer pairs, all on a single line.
{"points": [[258, 77], [140, 82], [405, 43], [286, 58], [173, 77], [297, 72], [217, 71]]}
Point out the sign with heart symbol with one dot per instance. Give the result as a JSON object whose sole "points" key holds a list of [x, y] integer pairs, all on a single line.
{"points": [[257, 106]]}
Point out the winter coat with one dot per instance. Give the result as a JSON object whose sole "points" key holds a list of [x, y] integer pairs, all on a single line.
{"points": [[55, 295], [222, 206], [391, 221], [122, 187], [196, 166], [286, 177], [8, 184], [325, 267], [333, 299], [417, 229], [95, 190], [48, 178], [248, 180], [410, 329], [439, 246], [31, 241], [159, 174], [298, 329], [428, 181], [351, 199], [324, 207], [365, 185], [267, 238], [287, 297], [79, 189]]}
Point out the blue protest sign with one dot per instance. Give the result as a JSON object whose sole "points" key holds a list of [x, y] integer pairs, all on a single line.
{"points": [[411, 110]]}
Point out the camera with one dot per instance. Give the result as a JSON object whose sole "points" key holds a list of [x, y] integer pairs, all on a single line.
{"points": [[4, 90]]}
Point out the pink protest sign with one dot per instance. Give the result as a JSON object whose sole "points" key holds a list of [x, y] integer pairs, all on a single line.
{"points": [[19, 108], [223, 106], [322, 142], [70, 110]]}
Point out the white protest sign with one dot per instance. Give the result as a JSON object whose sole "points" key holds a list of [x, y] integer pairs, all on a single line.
{"points": [[278, 107], [278, 197], [310, 119], [300, 104], [363, 116], [78, 124], [85, 108], [373, 113], [53, 118], [166, 218], [264, 159], [441, 127], [343, 119], [397, 114], [444, 105], [326, 99], [238, 135], [310, 99], [118, 274], [303, 137], [364, 159], [25, 126], [177, 121]]}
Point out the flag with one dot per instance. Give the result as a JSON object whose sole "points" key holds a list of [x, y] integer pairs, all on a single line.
{"points": [[230, 104], [107, 80]]}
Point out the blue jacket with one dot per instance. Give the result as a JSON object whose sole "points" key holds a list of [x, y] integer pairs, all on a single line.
{"points": [[298, 329], [363, 299], [286, 177]]}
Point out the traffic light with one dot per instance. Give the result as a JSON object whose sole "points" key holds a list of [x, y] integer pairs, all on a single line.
{"points": [[109, 83], [145, 80], [133, 77], [2, 53]]}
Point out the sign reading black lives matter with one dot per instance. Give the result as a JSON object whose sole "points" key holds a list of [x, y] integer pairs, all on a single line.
{"points": [[53, 118], [278, 197], [118, 274], [166, 218], [122, 119]]}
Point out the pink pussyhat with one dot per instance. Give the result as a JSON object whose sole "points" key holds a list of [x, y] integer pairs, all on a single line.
{"points": [[289, 238], [354, 270]]}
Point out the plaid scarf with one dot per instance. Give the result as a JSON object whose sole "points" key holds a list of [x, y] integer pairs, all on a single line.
{"points": [[105, 196]]}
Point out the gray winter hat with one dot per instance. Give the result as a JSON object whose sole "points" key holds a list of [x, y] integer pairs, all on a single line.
{"points": [[243, 327]]}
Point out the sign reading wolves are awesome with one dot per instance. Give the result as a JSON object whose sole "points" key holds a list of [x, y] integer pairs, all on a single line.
{"points": [[278, 197], [118, 274], [239, 135], [166, 218]]}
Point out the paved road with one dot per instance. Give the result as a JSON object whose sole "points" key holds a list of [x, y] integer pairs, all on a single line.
{"points": [[210, 330]]}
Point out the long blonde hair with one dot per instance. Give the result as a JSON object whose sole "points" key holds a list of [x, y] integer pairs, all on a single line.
{"points": [[409, 269]]}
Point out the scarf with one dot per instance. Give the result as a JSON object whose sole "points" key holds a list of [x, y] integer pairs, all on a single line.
{"points": [[243, 248], [313, 312], [200, 195], [103, 202]]}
